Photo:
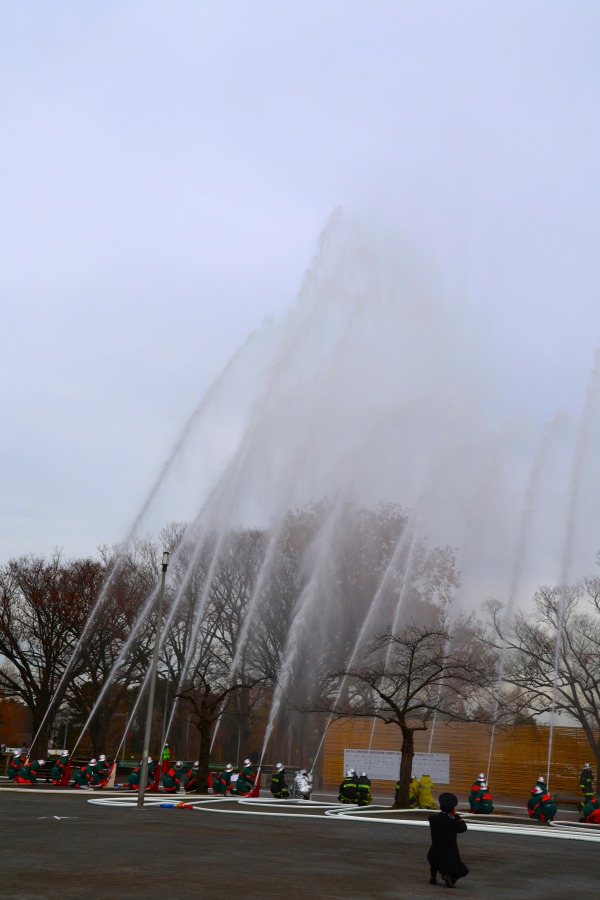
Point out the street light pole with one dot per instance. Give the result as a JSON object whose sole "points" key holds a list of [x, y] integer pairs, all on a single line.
{"points": [[144, 768]]}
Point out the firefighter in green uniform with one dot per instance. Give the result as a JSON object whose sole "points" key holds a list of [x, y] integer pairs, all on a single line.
{"points": [[222, 780], [364, 789], [541, 805], [101, 772], [246, 779], [15, 765], [586, 783], [28, 772], [134, 776], [191, 779], [475, 790], [591, 811], [58, 769], [425, 798], [133, 779], [172, 778], [480, 799], [278, 786], [349, 788], [83, 776]]}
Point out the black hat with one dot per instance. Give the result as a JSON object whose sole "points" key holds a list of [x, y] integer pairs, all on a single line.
{"points": [[448, 800]]}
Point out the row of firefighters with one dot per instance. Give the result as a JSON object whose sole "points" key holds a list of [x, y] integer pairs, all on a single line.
{"points": [[96, 772], [355, 788], [540, 805]]}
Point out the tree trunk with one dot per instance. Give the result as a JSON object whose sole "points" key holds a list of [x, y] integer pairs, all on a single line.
{"points": [[242, 710], [406, 763], [204, 727], [39, 748]]}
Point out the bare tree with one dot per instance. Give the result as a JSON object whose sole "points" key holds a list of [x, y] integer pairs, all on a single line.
{"points": [[563, 618], [405, 678], [43, 604], [101, 685]]}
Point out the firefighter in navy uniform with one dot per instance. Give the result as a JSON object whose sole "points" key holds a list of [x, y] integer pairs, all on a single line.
{"points": [[278, 786], [443, 856], [364, 789], [349, 788]]}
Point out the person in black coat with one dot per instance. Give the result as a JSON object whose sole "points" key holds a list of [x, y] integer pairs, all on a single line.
{"points": [[443, 856]]}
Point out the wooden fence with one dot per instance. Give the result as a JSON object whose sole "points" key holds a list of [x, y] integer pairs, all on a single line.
{"points": [[519, 753]]}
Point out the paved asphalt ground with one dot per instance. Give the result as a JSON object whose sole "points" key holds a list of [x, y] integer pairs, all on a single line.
{"points": [[94, 852]]}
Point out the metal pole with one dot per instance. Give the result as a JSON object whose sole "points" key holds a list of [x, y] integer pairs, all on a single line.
{"points": [[66, 732], [144, 769]]}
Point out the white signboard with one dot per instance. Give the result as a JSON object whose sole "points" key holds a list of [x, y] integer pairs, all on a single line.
{"points": [[385, 764]]}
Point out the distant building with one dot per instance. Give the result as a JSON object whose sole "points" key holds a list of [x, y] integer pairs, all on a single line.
{"points": [[15, 723]]}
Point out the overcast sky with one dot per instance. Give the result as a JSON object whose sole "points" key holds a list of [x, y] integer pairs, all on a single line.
{"points": [[167, 168]]}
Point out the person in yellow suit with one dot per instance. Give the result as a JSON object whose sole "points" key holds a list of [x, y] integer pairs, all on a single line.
{"points": [[425, 797]]}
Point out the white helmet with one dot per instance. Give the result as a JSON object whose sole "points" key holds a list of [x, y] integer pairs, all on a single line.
{"points": [[279, 767], [178, 765], [102, 757], [229, 767], [363, 774], [349, 773], [196, 764], [41, 762], [586, 766], [64, 752], [481, 776], [93, 762], [247, 762]]}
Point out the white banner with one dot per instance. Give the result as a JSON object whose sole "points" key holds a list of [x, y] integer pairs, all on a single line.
{"points": [[385, 764]]}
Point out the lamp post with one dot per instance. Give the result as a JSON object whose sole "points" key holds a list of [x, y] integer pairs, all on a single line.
{"points": [[144, 770]]}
